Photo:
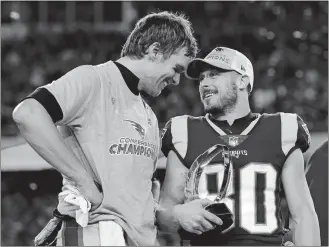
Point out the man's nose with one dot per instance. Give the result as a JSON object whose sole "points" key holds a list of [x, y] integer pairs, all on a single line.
{"points": [[204, 82], [176, 79]]}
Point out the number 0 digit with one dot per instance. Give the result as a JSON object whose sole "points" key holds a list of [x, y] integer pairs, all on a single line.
{"points": [[248, 192]]}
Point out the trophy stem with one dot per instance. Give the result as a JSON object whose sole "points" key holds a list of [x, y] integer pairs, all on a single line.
{"points": [[192, 187], [217, 199]]}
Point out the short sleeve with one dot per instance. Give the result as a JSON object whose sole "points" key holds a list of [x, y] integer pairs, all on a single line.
{"points": [[174, 137], [303, 135], [75, 93], [166, 139], [294, 133]]}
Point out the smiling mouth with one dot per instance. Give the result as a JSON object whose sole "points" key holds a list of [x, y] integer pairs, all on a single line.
{"points": [[207, 95]]}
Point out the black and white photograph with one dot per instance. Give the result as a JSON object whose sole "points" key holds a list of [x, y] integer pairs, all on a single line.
{"points": [[164, 123]]}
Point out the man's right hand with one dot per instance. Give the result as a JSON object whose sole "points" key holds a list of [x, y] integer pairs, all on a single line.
{"points": [[90, 191], [193, 217], [66, 208]]}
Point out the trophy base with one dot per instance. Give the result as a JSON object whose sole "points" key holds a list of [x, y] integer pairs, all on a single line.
{"points": [[221, 211]]}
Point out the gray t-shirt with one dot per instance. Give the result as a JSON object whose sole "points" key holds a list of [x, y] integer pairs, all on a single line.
{"points": [[118, 135]]}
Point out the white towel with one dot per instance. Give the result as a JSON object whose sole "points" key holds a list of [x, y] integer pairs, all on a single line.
{"points": [[111, 234], [73, 196]]}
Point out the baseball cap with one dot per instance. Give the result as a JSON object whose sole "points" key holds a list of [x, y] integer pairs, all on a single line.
{"points": [[223, 58]]}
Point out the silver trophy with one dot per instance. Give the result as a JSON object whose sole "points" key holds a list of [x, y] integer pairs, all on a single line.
{"points": [[192, 185]]}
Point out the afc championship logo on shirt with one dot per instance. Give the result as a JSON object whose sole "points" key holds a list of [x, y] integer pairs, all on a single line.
{"points": [[133, 146], [137, 127]]}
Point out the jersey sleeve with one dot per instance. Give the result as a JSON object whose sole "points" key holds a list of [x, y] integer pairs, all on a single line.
{"points": [[166, 139], [74, 92], [294, 133], [303, 135], [174, 137]]}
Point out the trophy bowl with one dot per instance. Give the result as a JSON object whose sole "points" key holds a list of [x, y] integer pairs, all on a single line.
{"points": [[191, 189]]}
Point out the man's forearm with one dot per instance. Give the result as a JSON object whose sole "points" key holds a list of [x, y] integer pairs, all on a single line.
{"points": [[305, 230], [166, 220], [40, 132]]}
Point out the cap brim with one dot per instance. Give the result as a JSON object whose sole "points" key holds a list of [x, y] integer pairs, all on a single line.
{"points": [[197, 65]]}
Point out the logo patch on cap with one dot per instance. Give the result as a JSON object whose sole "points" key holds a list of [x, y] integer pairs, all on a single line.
{"points": [[220, 57]]}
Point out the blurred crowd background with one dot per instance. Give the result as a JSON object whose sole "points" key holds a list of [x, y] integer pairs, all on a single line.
{"points": [[287, 43]]}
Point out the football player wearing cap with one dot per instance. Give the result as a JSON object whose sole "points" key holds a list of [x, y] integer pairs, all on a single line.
{"points": [[267, 161]]}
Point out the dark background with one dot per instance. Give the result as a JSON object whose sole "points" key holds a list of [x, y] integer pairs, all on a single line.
{"points": [[287, 43]]}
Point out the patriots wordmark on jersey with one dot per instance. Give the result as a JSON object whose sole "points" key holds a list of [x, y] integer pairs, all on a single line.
{"points": [[258, 155]]}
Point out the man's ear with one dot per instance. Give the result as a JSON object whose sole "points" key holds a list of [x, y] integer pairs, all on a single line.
{"points": [[243, 82], [153, 51]]}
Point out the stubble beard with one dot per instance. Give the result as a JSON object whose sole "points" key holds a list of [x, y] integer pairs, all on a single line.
{"points": [[224, 105]]}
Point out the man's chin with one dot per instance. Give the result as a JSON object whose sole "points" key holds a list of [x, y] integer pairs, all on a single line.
{"points": [[155, 94], [150, 94], [208, 108], [213, 110]]}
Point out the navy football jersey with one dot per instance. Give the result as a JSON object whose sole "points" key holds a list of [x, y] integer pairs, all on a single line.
{"points": [[258, 155]]}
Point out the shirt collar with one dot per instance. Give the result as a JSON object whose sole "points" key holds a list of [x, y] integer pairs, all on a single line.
{"points": [[238, 125], [129, 77]]}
